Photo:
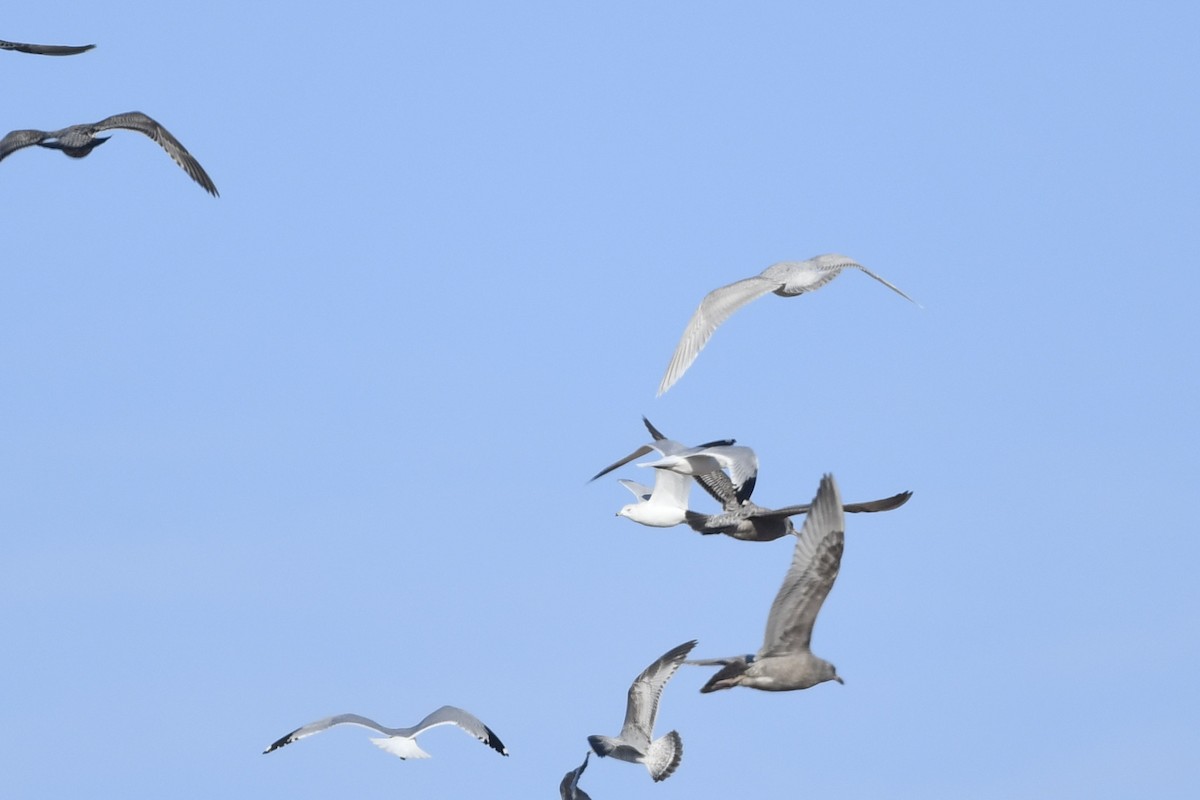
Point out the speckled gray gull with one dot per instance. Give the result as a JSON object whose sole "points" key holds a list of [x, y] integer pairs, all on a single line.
{"points": [[663, 505], [785, 660], [569, 788], [46, 49], [786, 279], [78, 140], [401, 742], [634, 744], [754, 523], [739, 460]]}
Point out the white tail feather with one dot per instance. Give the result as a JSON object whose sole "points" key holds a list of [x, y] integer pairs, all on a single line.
{"points": [[401, 746]]}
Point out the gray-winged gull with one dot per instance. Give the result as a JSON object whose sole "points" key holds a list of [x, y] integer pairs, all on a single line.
{"points": [[46, 49], [401, 742], [569, 788], [786, 279], [77, 141], [785, 660], [740, 460], [660, 756], [663, 505], [754, 523]]}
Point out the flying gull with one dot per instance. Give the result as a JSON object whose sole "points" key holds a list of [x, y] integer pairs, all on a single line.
{"points": [[663, 505], [787, 278], [741, 462], [634, 744], [754, 523], [402, 742], [785, 660], [569, 788], [78, 140], [46, 49]]}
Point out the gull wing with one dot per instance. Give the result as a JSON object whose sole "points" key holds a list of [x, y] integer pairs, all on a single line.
{"points": [[642, 705], [569, 788], [137, 121], [815, 563], [15, 140], [46, 49], [326, 724], [450, 715], [714, 309]]}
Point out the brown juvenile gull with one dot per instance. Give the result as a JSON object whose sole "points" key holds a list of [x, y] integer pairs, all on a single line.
{"points": [[751, 522], [634, 744], [46, 49], [569, 788], [785, 661], [787, 278], [401, 742], [79, 140]]}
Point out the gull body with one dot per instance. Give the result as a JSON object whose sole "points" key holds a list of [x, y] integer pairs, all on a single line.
{"points": [[785, 661], [634, 744], [786, 279], [46, 49], [401, 742], [77, 141]]}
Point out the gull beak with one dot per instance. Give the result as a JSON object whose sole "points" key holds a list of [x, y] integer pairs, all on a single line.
{"points": [[838, 678]]}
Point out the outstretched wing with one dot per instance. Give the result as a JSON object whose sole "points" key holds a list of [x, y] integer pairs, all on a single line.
{"points": [[569, 788], [325, 724], [46, 49], [642, 705], [15, 140], [450, 715], [714, 309], [815, 564], [137, 121]]}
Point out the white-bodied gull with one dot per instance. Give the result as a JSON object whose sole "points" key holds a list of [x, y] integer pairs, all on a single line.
{"points": [[786, 279], [401, 742], [663, 505], [785, 660], [634, 744], [569, 788]]}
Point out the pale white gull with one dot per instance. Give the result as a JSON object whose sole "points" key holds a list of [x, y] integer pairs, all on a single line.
{"points": [[786, 279], [634, 744], [401, 742], [569, 788], [663, 505], [785, 660]]}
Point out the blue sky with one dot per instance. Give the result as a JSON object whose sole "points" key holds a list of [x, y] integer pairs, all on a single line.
{"points": [[321, 444]]}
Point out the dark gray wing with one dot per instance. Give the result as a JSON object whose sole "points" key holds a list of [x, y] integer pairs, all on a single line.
{"points": [[137, 121], [569, 788], [46, 49], [15, 140], [869, 507]]}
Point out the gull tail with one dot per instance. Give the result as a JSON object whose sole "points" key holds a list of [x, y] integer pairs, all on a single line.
{"points": [[400, 746], [663, 756], [730, 674]]}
